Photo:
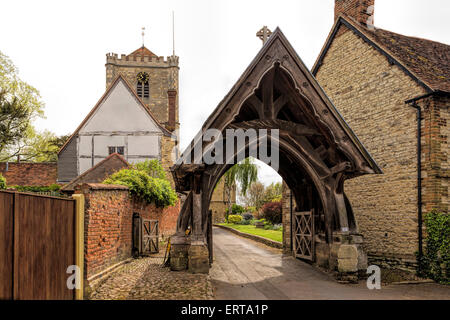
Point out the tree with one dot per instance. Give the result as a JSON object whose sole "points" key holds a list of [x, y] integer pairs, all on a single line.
{"points": [[35, 146], [272, 212], [20, 104], [273, 192], [245, 173], [255, 195]]}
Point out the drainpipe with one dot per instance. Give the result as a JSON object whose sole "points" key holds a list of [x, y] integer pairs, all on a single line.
{"points": [[419, 175]]}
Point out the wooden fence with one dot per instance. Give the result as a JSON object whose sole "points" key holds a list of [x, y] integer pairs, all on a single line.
{"points": [[40, 237]]}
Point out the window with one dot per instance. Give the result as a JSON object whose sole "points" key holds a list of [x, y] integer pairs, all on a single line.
{"points": [[120, 150]]}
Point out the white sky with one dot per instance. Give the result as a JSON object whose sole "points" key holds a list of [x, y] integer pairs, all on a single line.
{"points": [[60, 46]]}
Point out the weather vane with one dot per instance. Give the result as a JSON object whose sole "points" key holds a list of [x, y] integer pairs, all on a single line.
{"points": [[143, 34]]}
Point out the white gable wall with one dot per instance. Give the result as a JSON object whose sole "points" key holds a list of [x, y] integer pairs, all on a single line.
{"points": [[120, 120]]}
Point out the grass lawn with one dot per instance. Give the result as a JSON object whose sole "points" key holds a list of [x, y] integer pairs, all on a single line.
{"points": [[276, 235]]}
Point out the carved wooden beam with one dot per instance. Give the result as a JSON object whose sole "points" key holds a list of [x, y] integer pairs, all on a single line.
{"points": [[279, 103], [257, 105], [295, 129], [267, 94]]}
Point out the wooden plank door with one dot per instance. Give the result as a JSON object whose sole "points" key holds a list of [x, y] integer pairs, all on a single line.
{"points": [[304, 235], [6, 244], [150, 236], [44, 247]]}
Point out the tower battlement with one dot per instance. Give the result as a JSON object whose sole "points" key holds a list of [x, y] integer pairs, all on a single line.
{"points": [[147, 61]]}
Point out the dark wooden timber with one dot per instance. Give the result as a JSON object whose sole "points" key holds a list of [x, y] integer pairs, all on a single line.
{"points": [[37, 245], [317, 149]]}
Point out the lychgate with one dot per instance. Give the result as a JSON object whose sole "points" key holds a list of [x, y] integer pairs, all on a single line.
{"points": [[278, 113]]}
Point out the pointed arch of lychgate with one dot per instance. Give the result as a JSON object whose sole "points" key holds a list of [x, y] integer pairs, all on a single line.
{"points": [[316, 147]]}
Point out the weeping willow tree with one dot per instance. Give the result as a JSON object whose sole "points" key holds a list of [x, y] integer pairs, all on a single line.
{"points": [[245, 173]]}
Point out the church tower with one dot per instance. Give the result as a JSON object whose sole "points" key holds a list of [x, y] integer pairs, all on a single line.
{"points": [[154, 79]]}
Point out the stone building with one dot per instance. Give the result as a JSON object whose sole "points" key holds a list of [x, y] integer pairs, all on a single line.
{"points": [[390, 89], [119, 123], [137, 117]]}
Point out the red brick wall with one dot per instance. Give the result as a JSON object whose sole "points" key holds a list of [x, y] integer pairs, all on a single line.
{"points": [[435, 153], [108, 224], [357, 9], [29, 173]]}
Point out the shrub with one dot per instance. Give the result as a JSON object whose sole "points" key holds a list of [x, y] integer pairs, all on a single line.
{"points": [[51, 188], [247, 216], [236, 209], [144, 187], [2, 182], [245, 222], [152, 167], [251, 209], [435, 262], [260, 220], [271, 211], [234, 218]]}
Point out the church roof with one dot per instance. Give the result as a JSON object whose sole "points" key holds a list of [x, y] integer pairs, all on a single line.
{"points": [[99, 172], [426, 61], [142, 52], [118, 79]]}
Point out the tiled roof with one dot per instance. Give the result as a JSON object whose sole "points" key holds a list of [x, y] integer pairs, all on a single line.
{"points": [[429, 60], [142, 52], [426, 61], [99, 172]]}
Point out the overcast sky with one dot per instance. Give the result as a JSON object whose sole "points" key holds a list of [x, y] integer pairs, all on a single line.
{"points": [[60, 46]]}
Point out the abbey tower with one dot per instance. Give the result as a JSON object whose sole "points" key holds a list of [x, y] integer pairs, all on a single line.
{"points": [[154, 78]]}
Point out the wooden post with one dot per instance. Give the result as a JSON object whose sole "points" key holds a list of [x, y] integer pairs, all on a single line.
{"points": [[210, 241], [79, 242]]}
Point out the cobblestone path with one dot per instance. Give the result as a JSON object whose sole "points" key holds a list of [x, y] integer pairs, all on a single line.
{"points": [[145, 279]]}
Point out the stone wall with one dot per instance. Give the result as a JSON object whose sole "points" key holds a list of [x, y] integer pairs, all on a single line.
{"points": [[29, 173], [219, 204], [169, 152], [108, 224], [370, 93], [163, 76]]}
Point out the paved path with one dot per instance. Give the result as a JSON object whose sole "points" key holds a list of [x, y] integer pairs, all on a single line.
{"points": [[244, 269], [145, 279]]}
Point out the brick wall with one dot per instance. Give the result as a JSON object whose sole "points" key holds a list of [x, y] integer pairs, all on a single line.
{"points": [[108, 224], [357, 9], [29, 174], [286, 216], [435, 152], [370, 94]]}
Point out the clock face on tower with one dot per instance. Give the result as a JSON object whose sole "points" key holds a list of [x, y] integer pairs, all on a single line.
{"points": [[142, 77]]}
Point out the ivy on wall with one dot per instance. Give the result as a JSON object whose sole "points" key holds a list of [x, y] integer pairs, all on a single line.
{"points": [[435, 262]]}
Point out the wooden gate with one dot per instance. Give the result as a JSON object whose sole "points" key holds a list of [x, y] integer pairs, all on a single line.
{"points": [[150, 236], [37, 245], [304, 235]]}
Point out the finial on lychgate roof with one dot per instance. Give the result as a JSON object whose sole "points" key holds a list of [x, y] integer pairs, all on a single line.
{"points": [[264, 34], [143, 34]]}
